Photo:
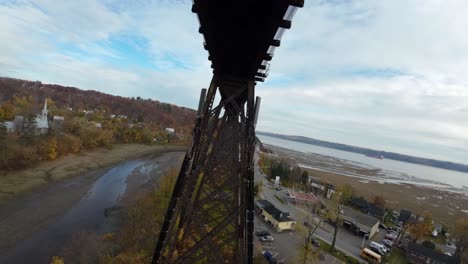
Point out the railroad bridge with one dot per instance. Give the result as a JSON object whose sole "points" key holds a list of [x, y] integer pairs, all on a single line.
{"points": [[210, 218]]}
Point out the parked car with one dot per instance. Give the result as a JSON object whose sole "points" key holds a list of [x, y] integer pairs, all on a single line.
{"points": [[267, 239], [378, 248], [391, 236], [262, 233], [315, 242], [387, 243], [450, 244], [396, 229], [382, 226]]}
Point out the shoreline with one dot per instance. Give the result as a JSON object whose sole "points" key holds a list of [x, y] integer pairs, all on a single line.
{"points": [[445, 205], [27, 217], [17, 183]]}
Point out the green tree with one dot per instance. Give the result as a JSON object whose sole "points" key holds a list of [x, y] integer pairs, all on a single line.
{"points": [[428, 244], [3, 147], [304, 177], [140, 118], [2, 130], [29, 127]]}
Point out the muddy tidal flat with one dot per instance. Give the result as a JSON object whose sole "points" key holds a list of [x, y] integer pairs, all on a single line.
{"points": [[417, 195]]}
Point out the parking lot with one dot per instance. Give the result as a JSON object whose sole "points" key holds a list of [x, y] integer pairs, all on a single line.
{"points": [[287, 243]]}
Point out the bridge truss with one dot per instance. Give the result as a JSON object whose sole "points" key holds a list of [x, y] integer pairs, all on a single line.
{"points": [[211, 212]]}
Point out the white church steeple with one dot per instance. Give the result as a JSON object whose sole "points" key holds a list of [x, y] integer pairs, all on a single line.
{"points": [[42, 123], [44, 111]]}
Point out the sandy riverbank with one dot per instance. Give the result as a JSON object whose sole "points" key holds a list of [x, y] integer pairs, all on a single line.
{"points": [[19, 182], [445, 206], [27, 216]]}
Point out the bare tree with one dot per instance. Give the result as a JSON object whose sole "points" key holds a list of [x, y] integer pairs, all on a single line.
{"points": [[311, 224], [341, 196]]}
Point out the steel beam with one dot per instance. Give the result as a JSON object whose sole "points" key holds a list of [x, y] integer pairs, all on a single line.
{"points": [[210, 215]]}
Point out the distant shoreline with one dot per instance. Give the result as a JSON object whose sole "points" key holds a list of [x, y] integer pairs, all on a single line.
{"points": [[16, 183], [447, 165], [444, 205]]}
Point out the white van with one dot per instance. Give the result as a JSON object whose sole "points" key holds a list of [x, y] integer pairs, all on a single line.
{"points": [[379, 247]]}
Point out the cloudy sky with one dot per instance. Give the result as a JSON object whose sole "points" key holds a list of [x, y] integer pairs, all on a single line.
{"points": [[389, 75]]}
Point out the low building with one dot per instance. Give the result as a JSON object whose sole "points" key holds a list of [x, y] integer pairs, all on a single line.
{"points": [[57, 121], [418, 254], [359, 222], [359, 203], [404, 216], [330, 192], [279, 220], [170, 131], [9, 126], [375, 211]]}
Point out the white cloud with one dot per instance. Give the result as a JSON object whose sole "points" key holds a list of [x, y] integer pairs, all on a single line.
{"points": [[383, 74]]}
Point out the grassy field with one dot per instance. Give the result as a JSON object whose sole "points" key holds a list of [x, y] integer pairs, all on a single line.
{"points": [[397, 256], [18, 182]]}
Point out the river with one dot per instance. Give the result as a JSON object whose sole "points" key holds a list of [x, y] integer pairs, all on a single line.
{"points": [[402, 171], [105, 190]]}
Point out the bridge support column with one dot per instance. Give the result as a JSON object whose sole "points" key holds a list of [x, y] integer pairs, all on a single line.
{"points": [[211, 212]]}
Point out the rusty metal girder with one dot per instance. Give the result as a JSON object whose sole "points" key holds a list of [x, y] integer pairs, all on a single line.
{"points": [[210, 215]]}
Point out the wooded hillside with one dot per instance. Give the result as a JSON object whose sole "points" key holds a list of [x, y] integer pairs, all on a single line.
{"points": [[166, 115], [83, 120]]}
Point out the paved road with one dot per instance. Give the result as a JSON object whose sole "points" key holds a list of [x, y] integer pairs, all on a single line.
{"points": [[289, 242]]}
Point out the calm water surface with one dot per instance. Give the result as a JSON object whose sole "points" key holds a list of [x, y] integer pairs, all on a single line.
{"points": [[456, 179], [87, 214]]}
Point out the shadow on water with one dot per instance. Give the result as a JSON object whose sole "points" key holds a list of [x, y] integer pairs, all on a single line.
{"points": [[87, 214]]}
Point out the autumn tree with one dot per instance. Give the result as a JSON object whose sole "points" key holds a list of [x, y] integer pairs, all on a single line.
{"points": [[7, 111], [307, 253], [23, 104], [340, 197], [422, 228], [379, 201], [57, 260], [461, 235], [52, 152], [258, 188]]}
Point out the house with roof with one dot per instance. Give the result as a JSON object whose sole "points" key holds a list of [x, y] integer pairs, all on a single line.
{"points": [[278, 219], [9, 126], [359, 222], [375, 211], [369, 208], [359, 203], [418, 254], [404, 216]]}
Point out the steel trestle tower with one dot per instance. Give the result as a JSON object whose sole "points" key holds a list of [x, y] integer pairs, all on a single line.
{"points": [[211, 212]]}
